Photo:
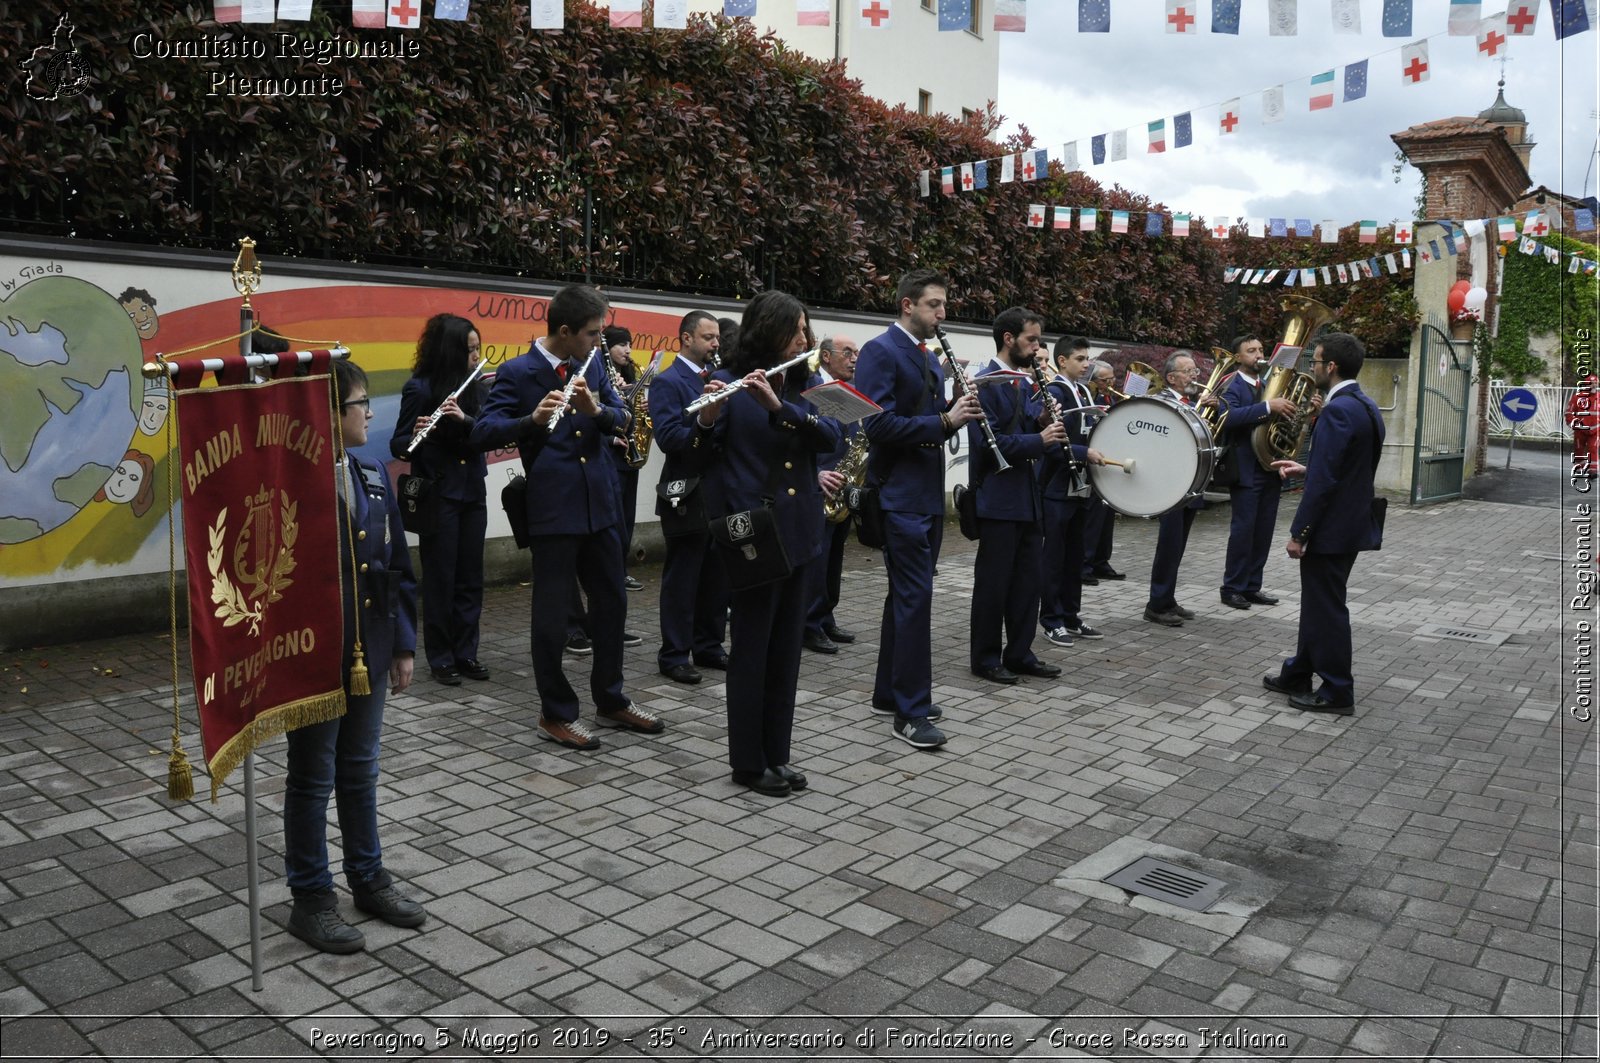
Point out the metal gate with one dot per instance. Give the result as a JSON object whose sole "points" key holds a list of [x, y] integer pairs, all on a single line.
{"points": [[1446, 377]]}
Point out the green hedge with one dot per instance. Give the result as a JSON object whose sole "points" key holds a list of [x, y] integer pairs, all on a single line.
{"points": [[1541, 297], [711, 161]]}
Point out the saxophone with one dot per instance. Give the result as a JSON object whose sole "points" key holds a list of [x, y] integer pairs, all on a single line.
{"points": [[637, 398], [853, 466]]}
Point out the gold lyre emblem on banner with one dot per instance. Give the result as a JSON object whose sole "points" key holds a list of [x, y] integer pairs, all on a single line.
{"points": [[263, 558]]}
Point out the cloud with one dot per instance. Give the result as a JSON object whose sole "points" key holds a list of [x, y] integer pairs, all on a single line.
{"points": [[1334, 163]]}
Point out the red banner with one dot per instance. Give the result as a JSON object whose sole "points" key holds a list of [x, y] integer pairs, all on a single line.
{"points": [[261, 544]]}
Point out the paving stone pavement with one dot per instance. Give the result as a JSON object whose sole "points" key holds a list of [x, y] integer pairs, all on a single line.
{"points": [[1427, 866]]}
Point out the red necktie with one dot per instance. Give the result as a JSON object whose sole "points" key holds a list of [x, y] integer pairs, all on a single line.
{"points": [[561, 372]]}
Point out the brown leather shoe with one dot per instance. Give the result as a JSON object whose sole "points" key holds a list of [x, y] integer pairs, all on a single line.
{"points": [[573, 735], [632, 718]]}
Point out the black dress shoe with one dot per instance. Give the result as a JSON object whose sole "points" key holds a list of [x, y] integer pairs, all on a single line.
{"points": [[1259, 598], [719, 661], [1319, 702], [1183, 614], [1279, 685], [795, 779], [448, 676], [1168, 618], [997, 673], [766, 782], [1107, 572], [838, 634], [316, 920], [1037, 668], [472, 669], [682, 673], [1235, 601], [819, 643], [1090, 581]]}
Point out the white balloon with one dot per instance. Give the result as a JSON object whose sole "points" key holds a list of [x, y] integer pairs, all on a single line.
{"points": [[1476, 297]]}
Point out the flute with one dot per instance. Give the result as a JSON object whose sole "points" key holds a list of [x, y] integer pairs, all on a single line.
{"points": [[712, 397], [961, 385], [566, 393], [433, 419]]}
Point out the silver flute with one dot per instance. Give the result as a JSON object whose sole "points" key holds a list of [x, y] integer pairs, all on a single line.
{"points": [[422, 433], [566, 393], [711, 398]]}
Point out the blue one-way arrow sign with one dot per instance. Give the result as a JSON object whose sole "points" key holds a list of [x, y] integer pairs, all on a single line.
{"points": [[1518, 405]]}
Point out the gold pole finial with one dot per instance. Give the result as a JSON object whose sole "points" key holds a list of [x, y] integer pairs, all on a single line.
{"points": [[246, 270]]}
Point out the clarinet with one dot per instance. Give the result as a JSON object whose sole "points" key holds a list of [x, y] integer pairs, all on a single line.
{"points": [[1054, 409], [566, 393], [961, 385]]}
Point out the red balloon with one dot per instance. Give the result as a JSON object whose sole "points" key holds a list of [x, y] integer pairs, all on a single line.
{"points": [[1456, 299], [1461, 286]]}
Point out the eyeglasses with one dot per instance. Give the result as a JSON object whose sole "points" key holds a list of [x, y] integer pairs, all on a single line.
{"points": [[365, 404], [1319, 361]]}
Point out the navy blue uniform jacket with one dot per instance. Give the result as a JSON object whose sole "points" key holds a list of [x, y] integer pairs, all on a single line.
{"points": [[1335, 514], [572, 481], [681, 445], [388, 589], [906, 452], [446, 456], [1244, 415], [1054, 476], [748, 441], [1012, 494]]}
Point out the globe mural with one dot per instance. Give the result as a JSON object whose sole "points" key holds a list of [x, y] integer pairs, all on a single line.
{"points": [[70, 394]]}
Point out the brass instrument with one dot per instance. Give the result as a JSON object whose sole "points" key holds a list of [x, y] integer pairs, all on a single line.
{"points": [[1151, 374], [566, 392], [853, 466], [1223, 362], [961, 386], [637, 398], [434, 418], [1283, 438]]}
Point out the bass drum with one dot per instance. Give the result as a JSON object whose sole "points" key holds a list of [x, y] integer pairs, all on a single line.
{"points": [[1171, 450]]}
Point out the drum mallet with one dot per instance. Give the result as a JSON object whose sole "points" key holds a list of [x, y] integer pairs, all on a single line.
{"points": [[1125, 466]]}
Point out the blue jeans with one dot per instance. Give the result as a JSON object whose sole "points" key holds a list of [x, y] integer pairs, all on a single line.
{"points": [[339, 759]]}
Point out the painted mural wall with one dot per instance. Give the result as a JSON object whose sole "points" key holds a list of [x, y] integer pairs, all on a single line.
{"points": [[84, 437]]}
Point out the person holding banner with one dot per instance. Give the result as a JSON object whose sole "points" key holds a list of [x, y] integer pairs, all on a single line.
{"points": [[339, 758], [574, 507], [448, 353]]}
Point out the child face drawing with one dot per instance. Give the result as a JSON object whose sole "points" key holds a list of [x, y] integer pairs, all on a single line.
{"points": [[144, 317], [125, 483], [153, 414]]}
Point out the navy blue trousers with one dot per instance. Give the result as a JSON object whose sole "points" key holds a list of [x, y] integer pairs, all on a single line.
{"points": [[764, 669], [1171, 540], [597, 559], [904, 680], [1005, 593], [827, 574], [452, 582], [1323, 646], [1099, 533], [694, 600], [1254, 520], [1061, 590]]}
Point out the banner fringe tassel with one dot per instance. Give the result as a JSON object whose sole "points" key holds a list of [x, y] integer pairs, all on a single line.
{"points": [[360, 682], [319, 708]]}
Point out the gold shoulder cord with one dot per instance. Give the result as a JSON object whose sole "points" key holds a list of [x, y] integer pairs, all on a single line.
{"points": [[360, 682]]}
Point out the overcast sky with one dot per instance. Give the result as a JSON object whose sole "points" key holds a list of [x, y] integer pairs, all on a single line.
{"points": [[1336, 164]]}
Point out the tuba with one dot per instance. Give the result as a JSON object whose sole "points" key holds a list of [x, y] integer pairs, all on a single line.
{"points": [[854, 468], [1283, 438]]}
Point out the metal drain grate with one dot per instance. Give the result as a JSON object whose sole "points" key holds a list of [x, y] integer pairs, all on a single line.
{"points": [[1166, 881], [1464, 634]]}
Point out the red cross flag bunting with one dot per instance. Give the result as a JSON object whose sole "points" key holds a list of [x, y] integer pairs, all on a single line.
{"points": [[1219, 231], [1535, 225], [1491, 36], [1402, 232], [404, 14], [1522, 17], [1036, 216], [1414, 62], [1230, 117], [1180, 16], [875, 14]]}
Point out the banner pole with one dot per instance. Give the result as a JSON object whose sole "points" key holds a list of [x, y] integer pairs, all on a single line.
{"points": [[252, 876]]}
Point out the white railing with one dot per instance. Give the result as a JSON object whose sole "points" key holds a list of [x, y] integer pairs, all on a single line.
{"points": [[1548, 422]]}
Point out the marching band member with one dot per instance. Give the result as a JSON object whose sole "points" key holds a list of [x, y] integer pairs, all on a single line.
{"points": [[574, 508], [766, 443], [694, 587], [1005, 575], [1066, 504], [339, 757], [452, 553], [1173, 536], [837, 361], [906, 464], [1254, 494], [1100, 528], [619, 348]]}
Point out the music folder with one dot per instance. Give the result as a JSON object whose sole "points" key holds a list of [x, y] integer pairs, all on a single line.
{"points": [[840, 401]]}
